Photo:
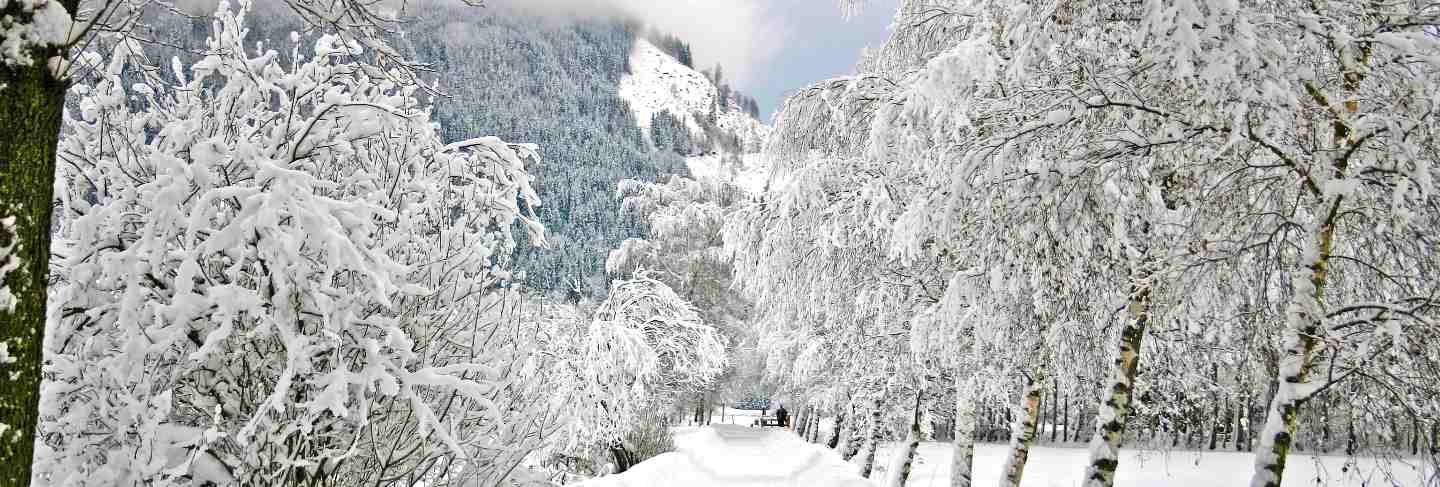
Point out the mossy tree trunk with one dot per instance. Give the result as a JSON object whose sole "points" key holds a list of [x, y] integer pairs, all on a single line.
{"points": [[32, 99]]}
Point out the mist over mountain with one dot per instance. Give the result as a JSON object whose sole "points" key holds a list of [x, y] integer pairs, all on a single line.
{"points": [[539, 75]]}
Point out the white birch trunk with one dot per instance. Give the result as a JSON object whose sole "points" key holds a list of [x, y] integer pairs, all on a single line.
{"points": [[1115, 408], [905, 456], [867, 459], [809, 423], [1022, 434], [1303, 330], [964, 443], [852, 441]]}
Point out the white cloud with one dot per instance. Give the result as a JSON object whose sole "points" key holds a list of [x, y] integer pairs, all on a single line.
{"points": [[740, 35]]}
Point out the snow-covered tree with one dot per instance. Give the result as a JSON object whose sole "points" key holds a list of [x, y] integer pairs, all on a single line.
{"points": [[263, 267], [644, 348], [37, 62], [1102, 162], [684, 249]]}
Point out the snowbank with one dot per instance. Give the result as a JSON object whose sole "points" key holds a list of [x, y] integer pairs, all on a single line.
{"points": [[752, 174], [738, 456], [1063, 467]]}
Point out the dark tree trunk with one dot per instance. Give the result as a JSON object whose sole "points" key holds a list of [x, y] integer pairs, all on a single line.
{"points": [[1350, 442], [624, 458], [31, 102], [1325, 416], [1415, 433], [1066, 435], [1215, 425], [815, 427], [1054, 412]]}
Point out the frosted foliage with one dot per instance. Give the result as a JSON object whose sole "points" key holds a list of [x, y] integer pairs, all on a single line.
{"points": [[34, 26], [920, 30], [644, 347], [246, 261], [829, 118], [683, 249], [1254, 180]]}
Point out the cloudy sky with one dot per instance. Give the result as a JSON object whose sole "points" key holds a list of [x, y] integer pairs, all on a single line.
{"points": [[767, 47], [818, 43]]}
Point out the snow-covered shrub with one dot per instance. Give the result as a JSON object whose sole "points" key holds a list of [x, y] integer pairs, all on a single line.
{"points": [[649, 437], [644, 348], [273, 274]]}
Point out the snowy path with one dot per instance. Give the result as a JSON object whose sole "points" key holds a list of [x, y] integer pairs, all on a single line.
{"points": [[738, 456]]}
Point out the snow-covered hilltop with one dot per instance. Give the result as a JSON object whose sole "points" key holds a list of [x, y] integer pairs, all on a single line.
{"points": [[752, 133], [659, 83]]}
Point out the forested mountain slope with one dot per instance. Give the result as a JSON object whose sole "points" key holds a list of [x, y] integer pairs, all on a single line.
{"points": [[556, 83]]}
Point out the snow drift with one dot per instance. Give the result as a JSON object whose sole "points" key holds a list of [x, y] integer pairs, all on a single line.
{"points": [[738, 456]]}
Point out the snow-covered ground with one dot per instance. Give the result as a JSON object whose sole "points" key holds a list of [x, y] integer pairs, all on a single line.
{"points": [[738, 456], [658, 82], [730, 453], [1063, 467], [751, 132], [752, 174]]}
